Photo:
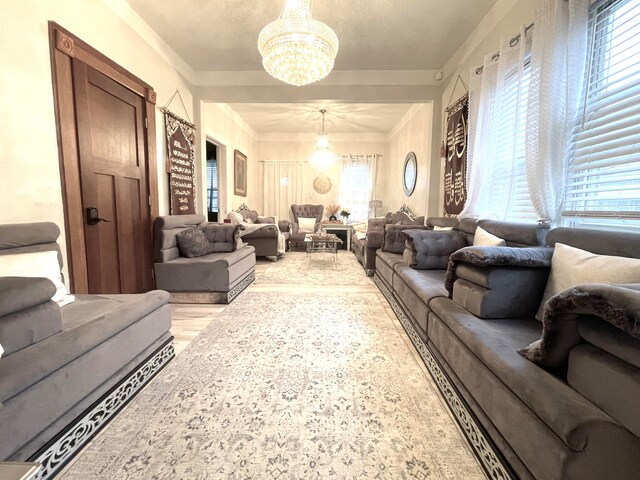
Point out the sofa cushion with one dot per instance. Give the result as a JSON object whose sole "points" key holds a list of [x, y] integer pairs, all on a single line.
{"points": [[427, 284], [610, 339], [89, 321], [572, 266], [266, 220], [607, 381], [486, 239], [517, 234], [495, 343], [392, 241], [431, 249]]}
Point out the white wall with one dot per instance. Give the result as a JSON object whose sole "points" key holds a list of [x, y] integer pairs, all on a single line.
{"points": [[283, 147], [30, 187], [222, 125], [412, 134]]}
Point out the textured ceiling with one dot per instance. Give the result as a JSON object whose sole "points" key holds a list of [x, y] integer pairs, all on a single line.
{"points": [[221, 35], [306, 117]]}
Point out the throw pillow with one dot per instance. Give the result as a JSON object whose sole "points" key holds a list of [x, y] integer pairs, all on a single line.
{"points": [[37, 264], [429, 249], [235, 217], [392, 242], [266, 220], [572, 266], [482, 238], [248, 220], [306, 225], [193, 243]]}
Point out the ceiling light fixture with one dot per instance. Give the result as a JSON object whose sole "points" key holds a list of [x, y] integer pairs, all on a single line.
{"points": [[322, 157], [295, 48]]}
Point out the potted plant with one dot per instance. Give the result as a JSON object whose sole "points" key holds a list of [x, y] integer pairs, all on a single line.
{"points": [[344, 213], [333, 209]]}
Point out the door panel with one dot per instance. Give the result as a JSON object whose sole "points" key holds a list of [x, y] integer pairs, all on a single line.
{"points": [[110, 123]]}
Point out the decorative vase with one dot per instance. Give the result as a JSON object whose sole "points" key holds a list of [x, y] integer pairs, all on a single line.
{"points": [[333, 218]]}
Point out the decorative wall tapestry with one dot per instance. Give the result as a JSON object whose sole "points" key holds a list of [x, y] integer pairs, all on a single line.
{"points": [[455, 156], [180, 162], [322, 184]]}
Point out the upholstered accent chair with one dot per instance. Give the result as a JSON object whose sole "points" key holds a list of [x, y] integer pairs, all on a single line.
{"points": [[304, 211]]}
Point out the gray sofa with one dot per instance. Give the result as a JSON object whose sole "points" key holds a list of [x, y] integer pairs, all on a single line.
{"points": [[265, 239], [365, 247], [468, 324], [213, 278], [67, 370]]}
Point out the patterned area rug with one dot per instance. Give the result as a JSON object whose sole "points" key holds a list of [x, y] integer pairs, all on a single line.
{"points": [[285, 385], [297, 268]]}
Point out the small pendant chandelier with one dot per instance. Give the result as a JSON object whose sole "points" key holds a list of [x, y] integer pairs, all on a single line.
{"points": [[295, 48], [322, 157]]}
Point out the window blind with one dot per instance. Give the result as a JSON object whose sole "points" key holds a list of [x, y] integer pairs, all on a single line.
{"points": [[212, 185], [603, 178], [515, 113]]}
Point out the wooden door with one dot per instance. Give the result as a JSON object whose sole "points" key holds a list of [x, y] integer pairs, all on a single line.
{"points": [[110, 122]]}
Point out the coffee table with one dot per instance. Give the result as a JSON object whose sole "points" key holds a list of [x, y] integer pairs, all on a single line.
{"points": [[322, 242]]}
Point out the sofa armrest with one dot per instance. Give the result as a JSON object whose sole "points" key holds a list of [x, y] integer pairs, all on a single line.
{"points": [[285, 226], [374, 239], [498, 282], [21, 293]]}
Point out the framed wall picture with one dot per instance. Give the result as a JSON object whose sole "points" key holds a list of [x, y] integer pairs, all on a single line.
{"points": [[239, 173]]}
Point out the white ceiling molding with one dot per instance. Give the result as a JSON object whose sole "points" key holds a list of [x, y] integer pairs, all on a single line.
{"points": [[312, 137], [335, 78]]}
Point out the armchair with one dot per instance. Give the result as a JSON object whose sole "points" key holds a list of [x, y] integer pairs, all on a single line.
{"points": [[304, 211]]}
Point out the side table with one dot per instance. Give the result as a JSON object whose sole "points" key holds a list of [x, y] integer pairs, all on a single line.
{"points": [[339, 227], [18, 470]]}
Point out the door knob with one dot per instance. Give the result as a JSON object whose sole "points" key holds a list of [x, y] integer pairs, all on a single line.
{"points": [[93, 218]]}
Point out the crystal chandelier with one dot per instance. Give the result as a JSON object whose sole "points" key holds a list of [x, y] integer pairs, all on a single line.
{"points": [[322, 157], [295, 48]]}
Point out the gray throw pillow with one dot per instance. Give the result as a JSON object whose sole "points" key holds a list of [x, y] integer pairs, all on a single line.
{"points": [[266, 220], [392, 242], [193, 243], [430, 249]]}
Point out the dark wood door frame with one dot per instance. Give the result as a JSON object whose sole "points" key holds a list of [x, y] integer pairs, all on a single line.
{"points": [[64, 47]]}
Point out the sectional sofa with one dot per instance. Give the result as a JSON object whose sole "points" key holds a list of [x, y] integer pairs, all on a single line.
{"points": [[216, 277], [575, 419], [67, 370]]}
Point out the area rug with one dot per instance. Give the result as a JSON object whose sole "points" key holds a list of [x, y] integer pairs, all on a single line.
{"points": [[315, 269], [286, 385]]}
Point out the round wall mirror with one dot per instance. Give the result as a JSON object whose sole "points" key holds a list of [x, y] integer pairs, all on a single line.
{"points": [[409, 174]]}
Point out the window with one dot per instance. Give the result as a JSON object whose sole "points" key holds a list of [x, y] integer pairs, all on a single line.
{"points": [[356, 185], [515, 115], [212, 179], [603, 180]]}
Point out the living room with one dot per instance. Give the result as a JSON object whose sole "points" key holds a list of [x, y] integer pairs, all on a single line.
{"points": [[420, 263]]}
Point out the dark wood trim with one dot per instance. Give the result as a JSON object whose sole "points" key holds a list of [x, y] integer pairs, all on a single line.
{"points": [[64, 48]]}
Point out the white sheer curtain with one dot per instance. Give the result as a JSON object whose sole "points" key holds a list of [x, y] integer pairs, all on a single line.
{"points": [[357, 184], [558, 61], [496, 183], [284, 184]]}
